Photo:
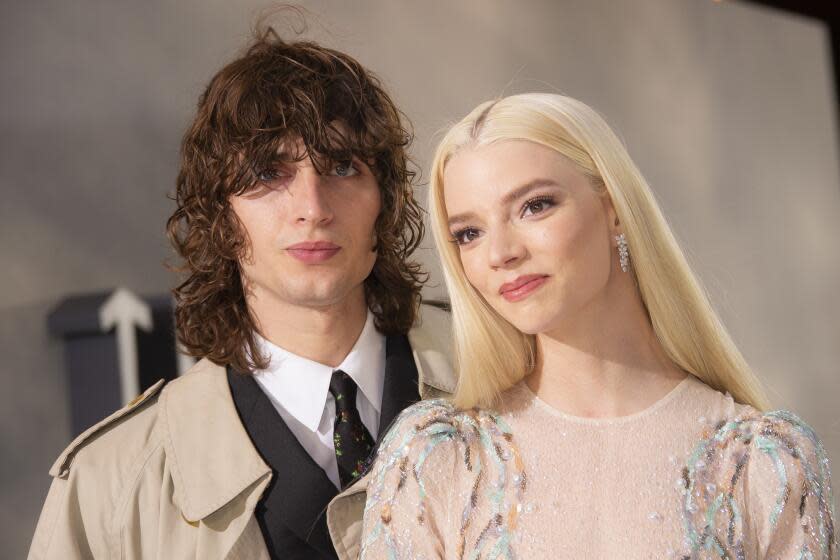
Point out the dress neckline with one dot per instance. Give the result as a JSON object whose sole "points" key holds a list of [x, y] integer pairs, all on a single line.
{"points": [[612, 421]]}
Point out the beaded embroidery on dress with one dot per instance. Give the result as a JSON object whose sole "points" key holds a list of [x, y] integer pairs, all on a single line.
{"points": [[433, 445]]}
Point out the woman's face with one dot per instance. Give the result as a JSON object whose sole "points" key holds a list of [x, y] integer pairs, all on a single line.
{"points": [[534, 236]]}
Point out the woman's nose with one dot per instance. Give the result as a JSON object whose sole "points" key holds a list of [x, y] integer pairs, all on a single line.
{"points": [[505, 249]]}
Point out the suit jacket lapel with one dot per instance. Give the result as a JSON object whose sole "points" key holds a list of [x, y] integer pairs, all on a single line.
{"points": [[300, 490], [400, 388]]}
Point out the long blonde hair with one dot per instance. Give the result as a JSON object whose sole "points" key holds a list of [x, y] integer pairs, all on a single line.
{"points": [[490, 353]]}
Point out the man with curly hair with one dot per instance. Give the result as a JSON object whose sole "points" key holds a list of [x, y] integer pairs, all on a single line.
{"points": [[295, 220]]}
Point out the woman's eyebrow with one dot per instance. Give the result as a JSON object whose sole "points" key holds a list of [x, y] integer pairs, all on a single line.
{"points": [[526, 188], [507, 198], [460, 218]]}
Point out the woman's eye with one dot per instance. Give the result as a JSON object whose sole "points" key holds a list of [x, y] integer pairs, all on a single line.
{"points": [[464, 236], [537, 205], [345, 169]]}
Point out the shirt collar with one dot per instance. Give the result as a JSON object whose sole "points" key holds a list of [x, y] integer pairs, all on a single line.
{"points": [[365, 363], [300, 386]]}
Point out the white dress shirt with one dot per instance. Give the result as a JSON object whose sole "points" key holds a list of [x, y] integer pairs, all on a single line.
{"points": [[299, 390]]}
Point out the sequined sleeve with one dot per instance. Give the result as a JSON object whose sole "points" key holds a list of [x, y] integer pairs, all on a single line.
{"points": [[445, 484], [760, 487]]}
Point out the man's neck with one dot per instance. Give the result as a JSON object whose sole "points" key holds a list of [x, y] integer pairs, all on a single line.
{"points": [[322, 334]]}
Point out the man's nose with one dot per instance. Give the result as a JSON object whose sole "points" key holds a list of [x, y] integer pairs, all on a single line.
{"points": [[505, 248], [311, 198]]}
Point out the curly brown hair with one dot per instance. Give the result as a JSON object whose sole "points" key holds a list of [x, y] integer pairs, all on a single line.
{"points": [[277, 91]]}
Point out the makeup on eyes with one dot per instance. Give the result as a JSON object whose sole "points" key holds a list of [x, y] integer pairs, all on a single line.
{"points": [[456, 236], [546, 199]]}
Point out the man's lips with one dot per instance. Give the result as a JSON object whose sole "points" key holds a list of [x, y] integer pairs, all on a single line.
{"points": [[313, 251], [522, 287]]}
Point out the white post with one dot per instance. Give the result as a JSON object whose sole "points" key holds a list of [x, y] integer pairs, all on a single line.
{"points": [[125, 311]]}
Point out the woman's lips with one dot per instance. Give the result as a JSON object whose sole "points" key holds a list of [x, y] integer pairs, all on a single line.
{"points": [[313, 252], [522, 287]]}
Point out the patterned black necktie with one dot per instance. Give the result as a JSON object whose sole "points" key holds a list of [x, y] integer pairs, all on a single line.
{"points": [[353, 443]]}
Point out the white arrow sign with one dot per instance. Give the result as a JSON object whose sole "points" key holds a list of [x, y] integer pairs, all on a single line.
{"points": [[125, 311]]}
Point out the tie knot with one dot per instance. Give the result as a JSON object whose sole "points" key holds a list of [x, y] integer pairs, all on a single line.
{"points": [[343, 390]]}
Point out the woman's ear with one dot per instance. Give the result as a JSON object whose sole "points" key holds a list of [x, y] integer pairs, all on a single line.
{"points": [[612, 217]]}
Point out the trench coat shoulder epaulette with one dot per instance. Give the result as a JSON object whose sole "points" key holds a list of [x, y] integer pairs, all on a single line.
{"points": [[61, 467]]}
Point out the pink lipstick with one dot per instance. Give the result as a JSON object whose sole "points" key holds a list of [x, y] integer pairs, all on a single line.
{"points": [[522, 287]]}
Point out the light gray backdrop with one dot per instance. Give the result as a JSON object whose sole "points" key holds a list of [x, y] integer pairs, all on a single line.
{"points": [[728, 109]]}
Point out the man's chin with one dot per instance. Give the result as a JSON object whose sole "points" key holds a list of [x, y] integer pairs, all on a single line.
{"points": [[326, 297], [322, 291]]}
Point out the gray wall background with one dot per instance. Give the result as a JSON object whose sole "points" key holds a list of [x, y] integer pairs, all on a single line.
{"points": [[728, 108]]}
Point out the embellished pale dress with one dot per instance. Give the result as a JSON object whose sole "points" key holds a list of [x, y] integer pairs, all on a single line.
{"points": [[695, 475]]}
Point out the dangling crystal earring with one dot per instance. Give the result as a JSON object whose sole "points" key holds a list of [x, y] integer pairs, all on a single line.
{"points": [[623, 252]]}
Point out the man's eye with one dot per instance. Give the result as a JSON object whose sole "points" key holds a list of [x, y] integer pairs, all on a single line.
{"points": [[345, 169], [270, 174], [464, 236], [537, 205]]}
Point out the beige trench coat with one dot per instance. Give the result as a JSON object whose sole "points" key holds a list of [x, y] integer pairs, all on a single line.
{"points": [[175, 475]]}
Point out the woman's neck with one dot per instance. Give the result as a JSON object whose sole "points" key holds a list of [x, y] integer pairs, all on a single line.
{"points": [[607, 363]]}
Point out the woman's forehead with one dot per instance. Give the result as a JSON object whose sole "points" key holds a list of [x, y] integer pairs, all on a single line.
{"points": [[505, 166]]}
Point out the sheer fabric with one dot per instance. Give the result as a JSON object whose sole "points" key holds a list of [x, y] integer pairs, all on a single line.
{"points": [[696, 475]]}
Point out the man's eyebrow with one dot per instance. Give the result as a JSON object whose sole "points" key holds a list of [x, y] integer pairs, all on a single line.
{"points": [[508, 198], [287, 155]]}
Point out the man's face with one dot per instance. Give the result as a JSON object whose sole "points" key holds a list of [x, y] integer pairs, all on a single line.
{"points": [[310, 236]]}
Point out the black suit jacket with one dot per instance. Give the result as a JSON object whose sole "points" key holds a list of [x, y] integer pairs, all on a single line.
{"points": [[292, 511]]}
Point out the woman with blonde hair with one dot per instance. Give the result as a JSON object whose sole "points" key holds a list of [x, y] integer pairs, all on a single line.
{"points": [[602, 410]]}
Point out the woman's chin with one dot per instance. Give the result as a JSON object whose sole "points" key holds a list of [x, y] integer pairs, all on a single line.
{"points": [[530, 325]]}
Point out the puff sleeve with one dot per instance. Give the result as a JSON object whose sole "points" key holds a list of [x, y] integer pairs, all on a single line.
{"points": [[443, 482], [760, 487]]}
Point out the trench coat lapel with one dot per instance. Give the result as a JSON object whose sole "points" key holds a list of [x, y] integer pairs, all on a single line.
{"points": [[218, 476], [300, 490]]}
